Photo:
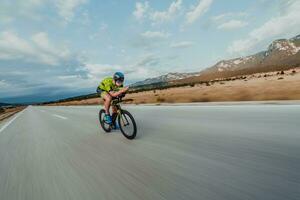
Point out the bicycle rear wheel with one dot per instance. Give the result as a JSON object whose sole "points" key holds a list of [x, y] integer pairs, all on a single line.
{"points": [[127, 124], [106, 127]]}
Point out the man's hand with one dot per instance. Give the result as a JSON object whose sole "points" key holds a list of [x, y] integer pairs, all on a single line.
{"points": [[125, 89], [121, 91]]}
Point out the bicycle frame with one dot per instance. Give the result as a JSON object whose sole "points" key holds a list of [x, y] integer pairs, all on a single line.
{"points": [[116, 102]]}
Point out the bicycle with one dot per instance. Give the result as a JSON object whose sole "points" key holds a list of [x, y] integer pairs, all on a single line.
{"points": [[125, 120]]}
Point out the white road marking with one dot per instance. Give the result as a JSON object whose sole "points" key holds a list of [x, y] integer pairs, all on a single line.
{"points": [[59, 116], [8, 123]]}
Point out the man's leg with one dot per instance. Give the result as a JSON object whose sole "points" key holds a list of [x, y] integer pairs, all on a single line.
{"points": [[114, 116], [107, 100], [114, 113]]}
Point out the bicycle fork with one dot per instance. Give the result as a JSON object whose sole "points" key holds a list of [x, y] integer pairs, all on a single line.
{"points": [[122, 118]]}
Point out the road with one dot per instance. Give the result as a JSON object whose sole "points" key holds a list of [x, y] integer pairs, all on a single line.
{"points": [[181, 152]]}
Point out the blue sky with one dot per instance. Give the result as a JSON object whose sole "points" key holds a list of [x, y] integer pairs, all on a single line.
{"points": [[51, 49]]}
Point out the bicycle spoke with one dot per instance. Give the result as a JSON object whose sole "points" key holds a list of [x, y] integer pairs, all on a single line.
{"points": [[126, 120]]}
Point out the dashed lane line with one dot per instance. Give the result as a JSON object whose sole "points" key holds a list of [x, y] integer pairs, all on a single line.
{"points": [[59, 116]]}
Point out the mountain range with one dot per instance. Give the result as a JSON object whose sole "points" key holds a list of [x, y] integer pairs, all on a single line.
{"points": [[4, 104], [281, 54], [165, 78]]}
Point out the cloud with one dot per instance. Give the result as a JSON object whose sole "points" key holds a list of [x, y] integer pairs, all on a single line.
{"points": [[197, 11], [149, 39], [232, 24], [155, 35], [148, 60], [4, 84], [228, 15], [36, 65], [35, 50], [140, 10], [181, 45], [101, 70], [103, 28], [66, 8], [133, 72], [285, 25], [230, 20], [143, 66], [143, 10], [169, 14], [12, 10], [29, 65]]}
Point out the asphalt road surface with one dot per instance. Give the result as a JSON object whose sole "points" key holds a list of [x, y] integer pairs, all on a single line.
{"points": [[181, 152]]}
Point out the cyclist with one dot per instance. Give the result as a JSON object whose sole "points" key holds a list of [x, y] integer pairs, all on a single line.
{"points": [[108, 89]]}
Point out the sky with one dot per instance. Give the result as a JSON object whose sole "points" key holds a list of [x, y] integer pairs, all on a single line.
{"points": [[51, 49]]}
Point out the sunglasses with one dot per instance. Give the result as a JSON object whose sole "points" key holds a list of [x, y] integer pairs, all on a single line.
{"points": [[120, 81]]}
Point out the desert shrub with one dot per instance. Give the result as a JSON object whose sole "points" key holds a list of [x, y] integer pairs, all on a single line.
{"points": [[282, 72], [280, 78], [128, 100], [160, 99], [200, 99], [192, 84], [170, 100], [244, 96], [294, 71], [2, 110]]}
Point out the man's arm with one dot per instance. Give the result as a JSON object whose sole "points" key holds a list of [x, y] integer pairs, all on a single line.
{"points": [[115, 94]]}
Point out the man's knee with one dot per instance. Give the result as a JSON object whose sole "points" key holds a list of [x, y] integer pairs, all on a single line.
{"points": [[107, 98], [114, 109]]}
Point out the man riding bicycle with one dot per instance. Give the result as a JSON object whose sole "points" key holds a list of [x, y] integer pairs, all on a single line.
{"points": [[109, 88]]}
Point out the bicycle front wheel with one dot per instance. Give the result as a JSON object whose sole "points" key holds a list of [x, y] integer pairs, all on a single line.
{"points": [[127, 124], [106, 127]]}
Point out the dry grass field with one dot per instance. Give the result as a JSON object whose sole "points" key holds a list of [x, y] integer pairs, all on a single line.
{"points": [[255, 87], [8, 112]]}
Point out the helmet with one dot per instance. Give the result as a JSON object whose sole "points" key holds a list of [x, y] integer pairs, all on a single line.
{"points": [[119, 76]]}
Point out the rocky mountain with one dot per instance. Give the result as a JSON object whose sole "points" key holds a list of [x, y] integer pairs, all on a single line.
{"points": [[165, 78], [281, 54]]}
